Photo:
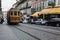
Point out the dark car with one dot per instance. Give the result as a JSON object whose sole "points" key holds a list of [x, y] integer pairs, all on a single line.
{"points": [[52, 21]]}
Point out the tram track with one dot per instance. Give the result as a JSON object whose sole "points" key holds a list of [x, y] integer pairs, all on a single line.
{"points": [[23, 29], [52, 31], [48, 30], [16, 26], [28, 33]]}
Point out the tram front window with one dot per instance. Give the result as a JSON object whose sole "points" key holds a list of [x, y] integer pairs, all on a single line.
{"points": [[15, 13], [11, 13], [18, 14]]}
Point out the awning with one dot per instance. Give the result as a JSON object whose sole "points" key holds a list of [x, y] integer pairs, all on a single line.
{"points": [[45, 11], [35, 14], [55, 11]]}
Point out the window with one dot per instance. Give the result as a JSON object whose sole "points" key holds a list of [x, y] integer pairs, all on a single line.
{"points": [[58, 2], [52, 16], [29, 3], [11, 13], [18, 13], [15, 13], [36, 0], [51, 3]]}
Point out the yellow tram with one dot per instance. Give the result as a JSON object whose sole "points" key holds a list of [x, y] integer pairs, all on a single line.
{"points": [[51, 12], [13, 16], [52, 15]]}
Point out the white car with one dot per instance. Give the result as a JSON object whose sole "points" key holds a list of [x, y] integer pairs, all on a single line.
{"points": [[25, 21]]}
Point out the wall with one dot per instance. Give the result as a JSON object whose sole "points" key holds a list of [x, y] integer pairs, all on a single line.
{"points": [[38, 5], [25, 6], [57, 2]]}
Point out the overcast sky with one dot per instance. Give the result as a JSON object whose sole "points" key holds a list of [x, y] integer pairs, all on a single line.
{"points": [[7, 4]]}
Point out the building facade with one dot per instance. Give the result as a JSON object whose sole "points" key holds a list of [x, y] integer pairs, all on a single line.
{"points": [[57, 2], [38, 5], [25, 7], [31, 6], [0, 5], [0, 10], [54, 3]]}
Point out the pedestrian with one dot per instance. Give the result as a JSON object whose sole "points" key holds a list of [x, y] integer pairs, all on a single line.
{"points": [[2, 20]]}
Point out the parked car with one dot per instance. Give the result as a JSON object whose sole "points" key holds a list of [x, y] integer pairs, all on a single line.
{"points": [[52, 21], [40, 21], [32, 21], [25, 21], [55, 21]]}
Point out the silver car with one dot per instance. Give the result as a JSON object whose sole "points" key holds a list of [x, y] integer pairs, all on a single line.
{"points": [[40, 21]]}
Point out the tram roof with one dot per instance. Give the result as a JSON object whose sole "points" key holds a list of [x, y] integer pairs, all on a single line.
{"points": [[55, 11], [45, 11], [51, 11], [13, 9], [35, 14]]}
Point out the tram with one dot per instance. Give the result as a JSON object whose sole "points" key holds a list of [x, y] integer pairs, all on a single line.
{"points": [[52, 16], [13, 16]]}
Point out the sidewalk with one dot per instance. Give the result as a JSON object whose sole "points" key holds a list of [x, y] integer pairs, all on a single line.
{"points": [[6, 33]]}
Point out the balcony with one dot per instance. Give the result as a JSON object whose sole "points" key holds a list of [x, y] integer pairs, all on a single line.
{"points": [[29, 3], [20, 0]]}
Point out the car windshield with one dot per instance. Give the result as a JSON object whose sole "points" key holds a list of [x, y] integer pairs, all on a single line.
{"points": [[40, 19]]}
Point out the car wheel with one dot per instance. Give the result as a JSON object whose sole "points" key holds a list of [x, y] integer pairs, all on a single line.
{"points": [[1, 22], [46, 24]]}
